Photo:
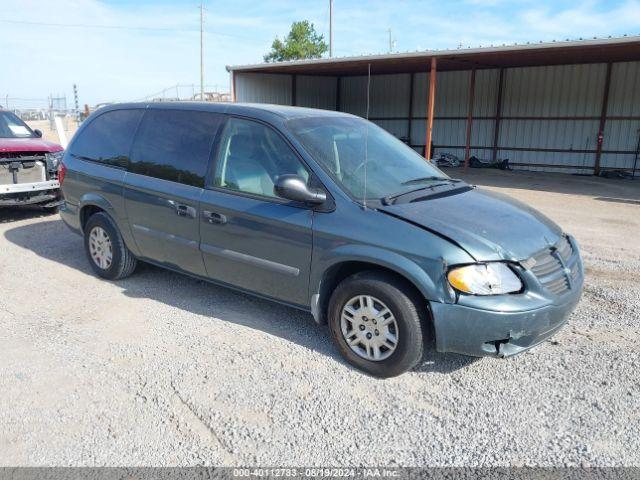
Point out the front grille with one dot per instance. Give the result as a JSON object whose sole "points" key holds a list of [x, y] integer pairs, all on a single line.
{"points": [[548, 267], [23, 155]]}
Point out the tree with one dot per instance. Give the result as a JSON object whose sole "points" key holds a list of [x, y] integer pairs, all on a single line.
{"points": [[302, 42]]}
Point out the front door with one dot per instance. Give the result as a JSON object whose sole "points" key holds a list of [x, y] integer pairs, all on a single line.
{"points": [[169, 161], [249, 237]]}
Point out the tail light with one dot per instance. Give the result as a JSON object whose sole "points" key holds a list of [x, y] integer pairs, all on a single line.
{"points": [[62, 171]]}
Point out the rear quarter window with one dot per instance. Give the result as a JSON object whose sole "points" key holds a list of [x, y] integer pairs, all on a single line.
{"points": [[107, 139], [175, 145]]}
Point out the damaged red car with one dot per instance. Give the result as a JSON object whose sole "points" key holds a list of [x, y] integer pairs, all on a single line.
{"points": [[28, 165]]}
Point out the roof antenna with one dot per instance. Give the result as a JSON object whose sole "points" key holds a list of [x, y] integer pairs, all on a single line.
{"points": [[366, 137]]}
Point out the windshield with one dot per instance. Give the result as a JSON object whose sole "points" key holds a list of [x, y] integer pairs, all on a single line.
{"points": [[356, 151], [12, 127]]}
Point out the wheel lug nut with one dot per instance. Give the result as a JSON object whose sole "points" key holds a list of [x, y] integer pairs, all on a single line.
{"points": [[361, 327], [369, 336], [365, 319], [377, 332], [374, 321]]}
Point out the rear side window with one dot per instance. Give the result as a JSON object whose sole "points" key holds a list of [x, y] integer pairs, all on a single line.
{"points": [[107, 139], [175, 145]]}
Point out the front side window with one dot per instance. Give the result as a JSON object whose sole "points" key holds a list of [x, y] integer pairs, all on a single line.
{"points": [[175, 145], [12, 127], [252, 157], [369, 162], [107, 139]]}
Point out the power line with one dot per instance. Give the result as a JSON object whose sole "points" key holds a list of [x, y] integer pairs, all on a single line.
{"points": [[121, 27]]}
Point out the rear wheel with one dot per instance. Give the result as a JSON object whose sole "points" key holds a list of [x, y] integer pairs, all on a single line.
{"points": [[108, 255], [375, 321]]}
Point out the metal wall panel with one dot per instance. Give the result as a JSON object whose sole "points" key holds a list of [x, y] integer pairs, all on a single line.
{"points": [[316, 92], [624, 101], [624, 94], [481, 132], [388, 95], [565, 90], [452, 94], [263, 88], [486, 93], [353, 95]]}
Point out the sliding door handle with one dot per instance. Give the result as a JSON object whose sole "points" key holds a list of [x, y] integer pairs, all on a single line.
{"points": [[182, 210], [213, 217]]}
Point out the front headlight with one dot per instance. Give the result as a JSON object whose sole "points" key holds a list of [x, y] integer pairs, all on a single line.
{"points": [[53, 160], [485, 279]]}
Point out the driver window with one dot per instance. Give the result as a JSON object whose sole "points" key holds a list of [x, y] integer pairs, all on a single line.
{"points": [[252, 157]]}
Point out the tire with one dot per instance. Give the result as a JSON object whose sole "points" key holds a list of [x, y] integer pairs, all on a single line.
{"points": [[123, 262], [386, 291]]}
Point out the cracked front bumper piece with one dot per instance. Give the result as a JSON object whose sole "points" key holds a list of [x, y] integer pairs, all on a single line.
{"points": [[481, 333]]}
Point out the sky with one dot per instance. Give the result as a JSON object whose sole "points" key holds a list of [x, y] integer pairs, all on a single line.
{"points": [[125, 50]]}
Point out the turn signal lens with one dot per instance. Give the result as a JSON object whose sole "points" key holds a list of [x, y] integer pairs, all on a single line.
{"points": [[485, 279]]}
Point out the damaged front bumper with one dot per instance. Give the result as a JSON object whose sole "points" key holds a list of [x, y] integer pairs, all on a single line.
{"points": [[482, 333], [45, 193], [505, 325]]}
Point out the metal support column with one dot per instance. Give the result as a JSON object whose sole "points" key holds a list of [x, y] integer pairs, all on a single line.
{"points": [[294, 100], [472, 90], [430, 107], [409, 120], [603, 120], [496, 127]]}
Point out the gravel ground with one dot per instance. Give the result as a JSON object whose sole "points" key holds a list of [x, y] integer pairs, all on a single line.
{"points": [[160, 369]]}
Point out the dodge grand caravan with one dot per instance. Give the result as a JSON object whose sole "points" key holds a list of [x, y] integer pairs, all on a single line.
{"points": [[325, 212]]}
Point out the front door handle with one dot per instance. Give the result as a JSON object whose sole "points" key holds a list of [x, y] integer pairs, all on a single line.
{"points": [[182, 210], [213, 217]]}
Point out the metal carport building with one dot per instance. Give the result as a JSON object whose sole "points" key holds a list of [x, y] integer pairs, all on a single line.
{"points": [[571, 106]]}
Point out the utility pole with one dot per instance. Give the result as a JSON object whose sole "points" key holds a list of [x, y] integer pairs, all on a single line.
{"points": [[201, 51], [391, 42], [76, 103], [330, 28]]}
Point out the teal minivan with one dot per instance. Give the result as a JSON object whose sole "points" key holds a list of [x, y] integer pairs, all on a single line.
{"points": [[325, 212]]}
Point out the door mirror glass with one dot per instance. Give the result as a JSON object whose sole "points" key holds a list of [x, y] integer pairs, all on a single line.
{"points": [[294, 187], [38, 133]]}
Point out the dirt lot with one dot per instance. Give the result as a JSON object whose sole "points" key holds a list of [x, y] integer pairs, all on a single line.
{"points": [[69, 125], [160, 369]]}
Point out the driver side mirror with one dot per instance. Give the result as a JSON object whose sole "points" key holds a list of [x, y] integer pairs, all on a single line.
{"points": [[38, 133], [294, 187]]}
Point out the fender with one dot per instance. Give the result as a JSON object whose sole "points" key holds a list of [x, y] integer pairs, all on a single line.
{"points": [[93, 199], [390, 260]]}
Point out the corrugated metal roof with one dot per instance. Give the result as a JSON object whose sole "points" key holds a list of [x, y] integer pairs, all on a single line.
{"points": [[624, 48]]}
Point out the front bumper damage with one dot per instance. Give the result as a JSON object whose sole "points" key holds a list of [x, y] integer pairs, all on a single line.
{"points": [[482, 333], [28, 181], [505, 325]]}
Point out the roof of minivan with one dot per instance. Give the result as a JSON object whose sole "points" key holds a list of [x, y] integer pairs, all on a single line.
{"points": [[249, 109]]}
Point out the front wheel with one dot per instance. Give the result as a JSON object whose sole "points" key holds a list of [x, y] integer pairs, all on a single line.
{"points": [[375, 321], [108, 255]]}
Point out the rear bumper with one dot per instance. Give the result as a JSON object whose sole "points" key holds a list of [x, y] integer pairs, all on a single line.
{"points": [[482, 333]]}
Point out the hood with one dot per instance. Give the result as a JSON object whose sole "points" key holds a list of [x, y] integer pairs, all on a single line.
{"points": [[28, 145], [488, 225]]}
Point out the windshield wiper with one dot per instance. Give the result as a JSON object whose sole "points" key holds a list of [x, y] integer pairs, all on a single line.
{"points": [[428, 179], [389, 199]]}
